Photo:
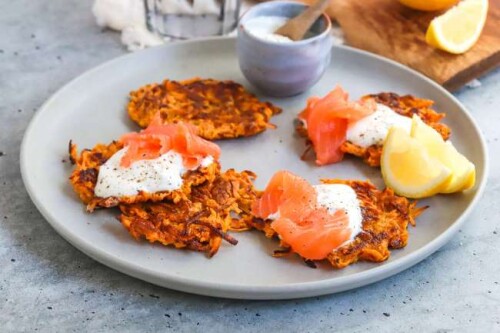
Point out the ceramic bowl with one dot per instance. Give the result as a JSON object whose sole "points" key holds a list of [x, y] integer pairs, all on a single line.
{"points": [[283, 69]]}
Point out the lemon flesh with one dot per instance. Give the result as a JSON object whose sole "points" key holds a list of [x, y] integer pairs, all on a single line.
{"points": [[457, 30], [463, 171], [409, 169], [428, 5]]}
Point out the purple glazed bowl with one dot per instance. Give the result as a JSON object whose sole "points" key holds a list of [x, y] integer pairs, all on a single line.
{"points": [[283, 69]]}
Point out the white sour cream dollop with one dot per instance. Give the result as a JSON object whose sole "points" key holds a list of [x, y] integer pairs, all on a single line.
{"points": [[160, 174], [339, 196], [373, 129]]}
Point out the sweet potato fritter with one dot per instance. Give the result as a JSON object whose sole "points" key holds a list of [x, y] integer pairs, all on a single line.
{"points": [[87, 164], [385, 220], [404, 105], [219, 109], [200, 222]]}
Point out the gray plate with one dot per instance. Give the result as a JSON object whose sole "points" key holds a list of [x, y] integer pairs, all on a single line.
{"points": [[91, 109]]}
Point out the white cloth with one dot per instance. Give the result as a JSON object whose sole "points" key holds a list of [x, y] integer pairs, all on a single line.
{"points": [[119, 14], [127, 16]]}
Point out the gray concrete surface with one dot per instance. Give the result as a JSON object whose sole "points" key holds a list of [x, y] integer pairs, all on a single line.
{"points": [[46, 285]]}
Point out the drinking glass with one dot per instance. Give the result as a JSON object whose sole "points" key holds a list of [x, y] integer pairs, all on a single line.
{"points": [[184, 19]]}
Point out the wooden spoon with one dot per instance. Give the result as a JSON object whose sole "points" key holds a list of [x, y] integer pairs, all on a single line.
{"points": [[296, 28]]}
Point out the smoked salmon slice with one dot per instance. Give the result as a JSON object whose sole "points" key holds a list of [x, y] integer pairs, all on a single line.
{"points": [[327, 120], [309, 229], [157, 139], [286, 193]]}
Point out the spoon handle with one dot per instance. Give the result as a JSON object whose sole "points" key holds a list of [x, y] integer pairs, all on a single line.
{"points": [[296, 28]]}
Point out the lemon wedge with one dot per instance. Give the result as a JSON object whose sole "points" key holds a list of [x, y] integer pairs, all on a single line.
{"points": [[428, 5], [463, 171], [471, 181], [409, 169], [457, 30]]}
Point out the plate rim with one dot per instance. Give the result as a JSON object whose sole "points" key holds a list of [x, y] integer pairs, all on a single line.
{"points": [[290, 290]]}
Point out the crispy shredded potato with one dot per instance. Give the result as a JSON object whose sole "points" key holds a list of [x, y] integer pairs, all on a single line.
{"points": [[218, 109], [199, 223], [385, 220], [87, 164], [404, 105]]}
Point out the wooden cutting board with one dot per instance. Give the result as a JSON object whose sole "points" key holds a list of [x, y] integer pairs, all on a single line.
{"points": [[388, 28]]}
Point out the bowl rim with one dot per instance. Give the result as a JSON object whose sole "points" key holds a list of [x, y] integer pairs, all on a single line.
{"points": [[322, 35]]}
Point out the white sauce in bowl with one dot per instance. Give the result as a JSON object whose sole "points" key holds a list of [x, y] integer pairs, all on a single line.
{"points": [[160, 174], [263, 27]]}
